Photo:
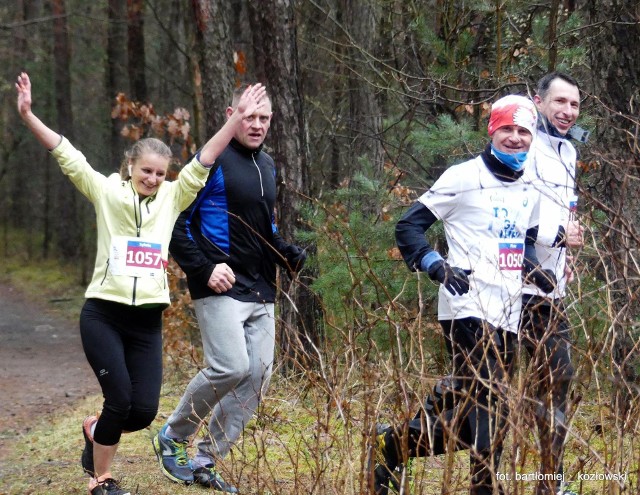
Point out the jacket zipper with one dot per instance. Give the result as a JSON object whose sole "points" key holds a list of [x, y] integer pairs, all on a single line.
{"points": [[106, 271], [137, 208], [259, 173]]}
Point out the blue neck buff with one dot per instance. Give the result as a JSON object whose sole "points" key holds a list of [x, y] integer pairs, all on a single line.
{"points": [[515, 161]]}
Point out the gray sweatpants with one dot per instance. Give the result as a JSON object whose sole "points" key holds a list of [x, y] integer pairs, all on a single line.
{"points": [[238, 340]]}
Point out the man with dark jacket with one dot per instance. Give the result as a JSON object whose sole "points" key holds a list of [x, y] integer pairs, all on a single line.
{"points": [[228, 246]]}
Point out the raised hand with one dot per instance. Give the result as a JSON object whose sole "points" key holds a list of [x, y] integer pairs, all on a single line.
{"points": [[23, 86], [252, 100], [47, 137]]}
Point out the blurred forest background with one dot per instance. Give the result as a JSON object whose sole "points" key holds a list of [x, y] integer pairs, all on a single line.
{"points": [[372, 100]]}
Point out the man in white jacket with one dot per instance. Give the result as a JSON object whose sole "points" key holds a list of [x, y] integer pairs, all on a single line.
{"points": [[544, 326], [488, 211]]}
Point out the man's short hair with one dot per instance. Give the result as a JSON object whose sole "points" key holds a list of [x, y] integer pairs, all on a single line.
{"points": [[237, 94], [545, 82]]}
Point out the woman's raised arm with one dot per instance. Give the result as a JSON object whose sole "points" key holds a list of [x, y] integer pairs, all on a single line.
{"points": [[48, 137]]}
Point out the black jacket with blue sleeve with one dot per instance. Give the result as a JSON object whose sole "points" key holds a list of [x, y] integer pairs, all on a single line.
{"points": [[232, 221]]}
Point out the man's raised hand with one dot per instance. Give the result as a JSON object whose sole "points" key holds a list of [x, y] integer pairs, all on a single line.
{"points": [[252, 99]]}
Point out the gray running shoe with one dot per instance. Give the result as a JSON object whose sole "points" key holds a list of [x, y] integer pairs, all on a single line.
{"points": [[172, 456], [87, 454]]}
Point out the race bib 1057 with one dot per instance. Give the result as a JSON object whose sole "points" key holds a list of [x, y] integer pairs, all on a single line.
{"points": [[136, 257]]}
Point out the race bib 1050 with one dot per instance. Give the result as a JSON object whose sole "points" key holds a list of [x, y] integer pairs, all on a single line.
{"points": [[510, 255]]}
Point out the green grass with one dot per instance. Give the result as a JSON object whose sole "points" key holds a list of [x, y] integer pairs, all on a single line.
{"points": [[294, 446], [48, 281]]}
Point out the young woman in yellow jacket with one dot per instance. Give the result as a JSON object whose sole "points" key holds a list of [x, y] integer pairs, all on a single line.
{"points": [[121, 320]]}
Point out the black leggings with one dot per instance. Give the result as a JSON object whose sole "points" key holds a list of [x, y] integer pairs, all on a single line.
{"points": [[123, 345], [546, 337]]}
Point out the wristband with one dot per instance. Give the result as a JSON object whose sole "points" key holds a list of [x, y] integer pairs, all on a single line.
{"points": [[429, 259]]}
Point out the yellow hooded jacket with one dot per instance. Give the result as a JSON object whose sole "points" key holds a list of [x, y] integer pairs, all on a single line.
{"points": [[133, 235]]}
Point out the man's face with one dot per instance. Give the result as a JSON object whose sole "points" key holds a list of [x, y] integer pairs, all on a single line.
{"points": [[561, 105], [254, 128], [511, 139]]}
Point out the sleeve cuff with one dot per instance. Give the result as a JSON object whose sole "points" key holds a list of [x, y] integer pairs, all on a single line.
{"points": [[207, 166], [429, 259], [62, 145]]}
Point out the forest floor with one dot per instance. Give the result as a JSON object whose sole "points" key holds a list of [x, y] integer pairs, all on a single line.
{"points": [[42, 366], [296, 445]]}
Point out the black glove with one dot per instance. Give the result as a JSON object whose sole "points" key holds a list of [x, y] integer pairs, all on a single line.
{"points": [[545, 280], [454, 279], [295, 256]]}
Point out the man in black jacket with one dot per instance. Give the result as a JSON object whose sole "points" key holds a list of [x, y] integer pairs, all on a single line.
{"points": [[228, 246]]}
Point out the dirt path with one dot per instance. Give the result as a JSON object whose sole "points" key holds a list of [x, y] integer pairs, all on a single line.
{"points": [[42, 365]]}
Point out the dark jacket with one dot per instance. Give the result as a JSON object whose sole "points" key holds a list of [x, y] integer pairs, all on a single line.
{"points": [[232, 221]]}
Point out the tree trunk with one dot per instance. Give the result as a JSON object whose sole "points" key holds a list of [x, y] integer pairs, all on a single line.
{"points": [[615, 62], [135, 50], [20, 183], [216, 60], [67, 219], [277, 55], [116, 71], [553, 33], [192, 41], [365, 115]]}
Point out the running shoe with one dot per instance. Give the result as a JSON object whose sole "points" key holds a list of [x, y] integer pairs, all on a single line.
{"points": [[209, 477], [384, 466], [173, 458], [107, 487], [87, 454], [404, 473]]}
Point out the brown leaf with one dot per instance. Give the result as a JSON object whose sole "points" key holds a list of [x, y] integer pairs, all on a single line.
{"points": [[135, 133], [394, 253], [185, 129], [172, 128]]}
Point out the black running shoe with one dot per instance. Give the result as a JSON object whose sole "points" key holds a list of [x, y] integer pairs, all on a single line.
{"points": [[87, 454], [209, 477], [385, 466], [109, 487]]}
